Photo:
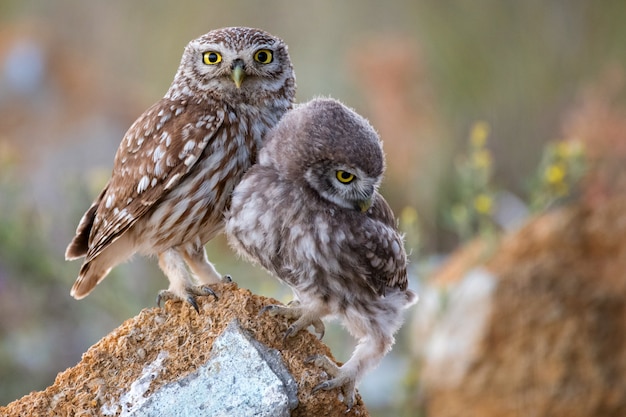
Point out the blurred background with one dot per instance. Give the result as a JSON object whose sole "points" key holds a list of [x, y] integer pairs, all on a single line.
{"points": [[441, 81]]}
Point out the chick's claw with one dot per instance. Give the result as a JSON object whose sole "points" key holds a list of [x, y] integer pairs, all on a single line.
{"points": [[340, 379], [304, 318]]}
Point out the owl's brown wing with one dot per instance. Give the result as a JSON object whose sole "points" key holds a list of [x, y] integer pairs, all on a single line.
{"points": [[384, 249], [158, 150]]}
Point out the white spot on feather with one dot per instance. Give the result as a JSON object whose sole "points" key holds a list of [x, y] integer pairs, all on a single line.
{"points": [[164, 118], [189, 145], [158, 170], [110, 200], [143, 184], [158, 154], [190, 160], [172, 181], [165, 137], [186, 131]]}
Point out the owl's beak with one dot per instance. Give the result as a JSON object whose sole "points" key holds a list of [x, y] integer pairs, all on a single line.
{"points": [[364, 205], [237, 73]]}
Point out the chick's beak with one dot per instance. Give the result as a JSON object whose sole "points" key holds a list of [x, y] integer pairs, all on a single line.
{"points": [[364, 205], [237, 73]]}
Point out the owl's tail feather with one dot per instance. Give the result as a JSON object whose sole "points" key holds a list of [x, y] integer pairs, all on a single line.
{"points": [[79, 246], [97, 268], [91, 273]]}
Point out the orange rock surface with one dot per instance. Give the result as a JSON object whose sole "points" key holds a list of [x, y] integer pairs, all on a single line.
{"points": [[110, 366]]}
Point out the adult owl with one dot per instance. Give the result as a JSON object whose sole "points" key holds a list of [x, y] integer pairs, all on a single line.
{"points": [[309, 213], [177, 165]]}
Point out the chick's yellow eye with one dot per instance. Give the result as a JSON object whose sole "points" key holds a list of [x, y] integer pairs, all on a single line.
{"points": [[211, 58], [345, 177], [264, 56]]}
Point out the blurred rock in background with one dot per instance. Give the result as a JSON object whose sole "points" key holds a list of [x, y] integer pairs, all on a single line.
{"points": [[533, 325]]}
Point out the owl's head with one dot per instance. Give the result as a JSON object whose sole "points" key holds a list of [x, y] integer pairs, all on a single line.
{"points": [[328, 147], [235, 63]]}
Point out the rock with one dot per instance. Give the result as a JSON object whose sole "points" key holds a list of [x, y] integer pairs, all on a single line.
{"points": [[226, 361], [238, 380], [452, 342], [533, 325]]}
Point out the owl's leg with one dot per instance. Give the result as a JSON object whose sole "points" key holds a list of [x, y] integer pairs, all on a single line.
{"points": [[181, 287], [304, 318], [201, 267], [366, 356]]}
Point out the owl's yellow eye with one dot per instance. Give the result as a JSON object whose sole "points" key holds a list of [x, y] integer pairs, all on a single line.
{"points": [[345, 177], [264, 56], [211, 58]]}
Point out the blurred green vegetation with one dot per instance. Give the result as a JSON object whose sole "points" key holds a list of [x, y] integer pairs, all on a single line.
{"points": [[423, 72]]}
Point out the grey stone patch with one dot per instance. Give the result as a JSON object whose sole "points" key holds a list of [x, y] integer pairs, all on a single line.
{"points": [[243, 377], [275, 362]]}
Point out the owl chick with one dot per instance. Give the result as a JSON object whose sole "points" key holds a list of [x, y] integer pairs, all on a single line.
{"points": [[177, 165], [309, 213]]}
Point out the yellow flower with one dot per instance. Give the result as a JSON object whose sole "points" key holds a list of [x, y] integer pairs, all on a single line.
{"points": [[562, 149], [483, 203], [479, 133], [568, 149], [408, 216], [481, 159], [555, 173]]}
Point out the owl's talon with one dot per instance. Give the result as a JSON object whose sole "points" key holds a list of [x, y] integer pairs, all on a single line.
{"points": [[322, 386], [347, 386], [291, 331], [304, 318], [202, 291], [268, 308], [339, 378], [323, 362], [319, 327], [165, 295], [190, 298]]}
